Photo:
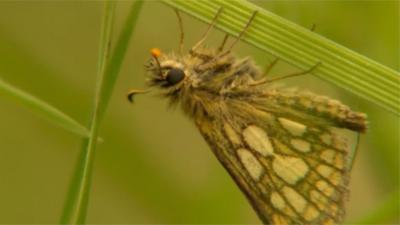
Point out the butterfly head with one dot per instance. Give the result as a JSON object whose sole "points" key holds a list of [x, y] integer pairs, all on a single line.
{"points": [[170, 73], [166, 71]]}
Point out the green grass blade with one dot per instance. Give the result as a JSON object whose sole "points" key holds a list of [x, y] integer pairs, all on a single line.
{"points": [[302, 48], [118, 54], [108, 69], [42, 108], [77, 199]]}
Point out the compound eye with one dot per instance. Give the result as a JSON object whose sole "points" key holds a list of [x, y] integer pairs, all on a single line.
{"points": [[174, 76]]}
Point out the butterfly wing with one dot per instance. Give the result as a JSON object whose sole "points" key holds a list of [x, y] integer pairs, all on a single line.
{"points": [[285, 152]]}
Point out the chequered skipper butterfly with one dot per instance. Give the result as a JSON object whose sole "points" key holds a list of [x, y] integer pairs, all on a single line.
{"points": [[281, 147]]}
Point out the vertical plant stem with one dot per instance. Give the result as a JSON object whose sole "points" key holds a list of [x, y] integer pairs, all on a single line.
{"points": [[77, 200], [108, 70]]}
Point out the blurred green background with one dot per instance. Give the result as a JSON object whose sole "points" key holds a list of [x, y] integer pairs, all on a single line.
{"points": [[153, 166]]}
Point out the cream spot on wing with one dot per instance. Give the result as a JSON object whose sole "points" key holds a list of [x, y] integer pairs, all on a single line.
{"points": [[339, 161], [301, 145], [318, 199], [251, 163], [277, 201], [328, 222], [328, 155], [340, 142], [311, 213], [295, 199], [326, 138], [325, 171], [325, 188], [333, 209], [279, 220], [258, 140], [336, 178], [264, 116], [231, 134], [290, 169], [295, 128]]}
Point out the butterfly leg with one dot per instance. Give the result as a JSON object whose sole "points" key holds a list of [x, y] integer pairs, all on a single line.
{"points": [[204, 37], [182, 35], [224, 53], [221, 47], [242, 32], [270, 66], [265, 80], [295, 74], [273, 63]]}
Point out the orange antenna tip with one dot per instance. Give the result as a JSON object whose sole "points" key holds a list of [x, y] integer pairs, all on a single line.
{"points": [[155, 52]]}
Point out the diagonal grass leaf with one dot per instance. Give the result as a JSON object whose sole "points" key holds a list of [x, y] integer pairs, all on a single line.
{"points": [[42, 108]]}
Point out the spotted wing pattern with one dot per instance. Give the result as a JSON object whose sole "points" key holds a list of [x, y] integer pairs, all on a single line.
{"points": [[290, 162]]}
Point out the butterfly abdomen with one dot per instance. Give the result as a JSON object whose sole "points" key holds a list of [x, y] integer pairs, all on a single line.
{"points": [[332, 110]]}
